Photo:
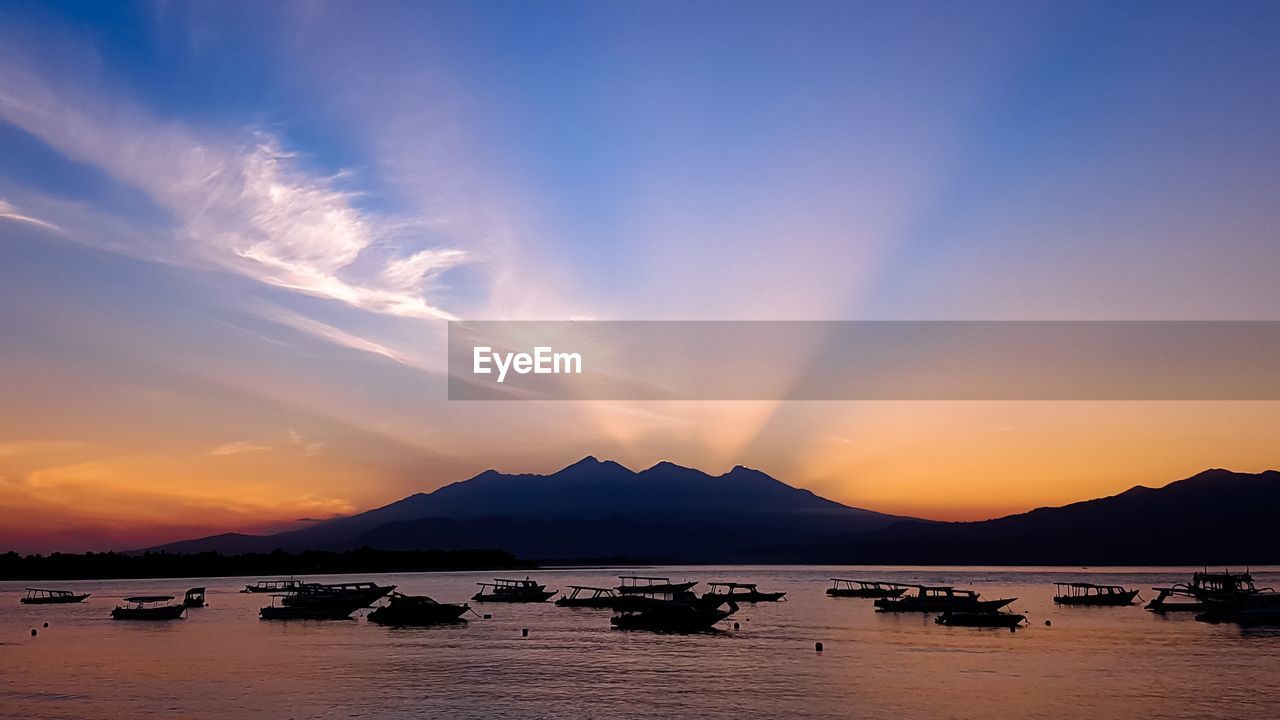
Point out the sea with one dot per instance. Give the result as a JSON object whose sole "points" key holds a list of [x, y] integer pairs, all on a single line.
{"points": [[222, 661]]}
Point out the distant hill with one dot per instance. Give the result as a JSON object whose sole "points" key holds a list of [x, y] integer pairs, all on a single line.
{"points": [[588, 509], [1214, 518]]}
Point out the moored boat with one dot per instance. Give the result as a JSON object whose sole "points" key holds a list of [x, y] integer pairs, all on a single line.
{"points": [[194, 598], [980, 619], [642, 585], [743, 592], [843, 587], [149, 607], [1260, 608], [512, 591], [1206, 589], [356, 594], [1083, 593], [42, 596], [404, 609], [272, 586], [589, 597], [940, 598], [674, 612]]}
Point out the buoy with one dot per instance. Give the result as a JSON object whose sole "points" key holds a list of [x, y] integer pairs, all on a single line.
{"points": [[33, 632], [736, 626], [817, 646], [1048, 623], [524, 632], [46, 624], [488, 616]]}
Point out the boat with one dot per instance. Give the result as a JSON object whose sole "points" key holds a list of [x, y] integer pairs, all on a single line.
{"points": [[272, 586], [404, 609], [313, 611], [940, 598], [961, 618], [1204, 590], [1083, 593], [356, 594], [513, 591], [743, 592], [590, 597], [42, 596], [682, 611], [639, 584], [842, 587], [149, 607], [194, 598], [1260, 608]]}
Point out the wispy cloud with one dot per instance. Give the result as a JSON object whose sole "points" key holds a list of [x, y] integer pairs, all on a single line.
{"points": [[243, 203], [9, 212], [239, 448]]}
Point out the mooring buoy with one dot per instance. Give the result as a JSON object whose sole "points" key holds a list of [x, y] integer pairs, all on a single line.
{"points": [[1048, 623], [33, 632], [524, 632], [817, 646]]}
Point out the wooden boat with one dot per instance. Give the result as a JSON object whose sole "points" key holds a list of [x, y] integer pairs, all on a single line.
{"points": [[1204, 590], [317, 611], [1257, 609], [674, 612], [1083, 593], [940, 598], [194, 598], [404, 609], [149, 607], [354, 594], [743, 592], [639, 584], [272, 586], [589, 597], [512, 591], [842, 587], [980, 619], [41, 596]]}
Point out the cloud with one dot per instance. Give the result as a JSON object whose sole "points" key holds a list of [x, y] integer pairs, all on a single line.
{"points": [[239, 448], [9, 212], [240, 200], [40, 447]]}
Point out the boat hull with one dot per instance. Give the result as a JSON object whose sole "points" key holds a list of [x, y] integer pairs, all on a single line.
{"points": [[425, 615], [980, 619], [533, 597], [913, 604], [64, 600], [167, 612]]}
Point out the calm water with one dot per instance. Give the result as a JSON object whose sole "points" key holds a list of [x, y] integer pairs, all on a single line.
{"points": [[222, 662]]}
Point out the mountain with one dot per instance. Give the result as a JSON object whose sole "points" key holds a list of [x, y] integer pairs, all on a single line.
{"points": [[1217, 517], [588, 509]]}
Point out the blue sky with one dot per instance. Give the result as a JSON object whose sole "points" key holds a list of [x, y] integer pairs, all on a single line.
{"points": [[243, 225]]}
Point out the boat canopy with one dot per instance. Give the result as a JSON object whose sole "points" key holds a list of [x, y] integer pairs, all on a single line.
{"points": [[748, 586], [48, 592], [592, 587], [643, 577], [148, 598], [1091, 586]]}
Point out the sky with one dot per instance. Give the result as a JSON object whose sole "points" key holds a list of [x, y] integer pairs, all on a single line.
{"points": [[232, 234]]}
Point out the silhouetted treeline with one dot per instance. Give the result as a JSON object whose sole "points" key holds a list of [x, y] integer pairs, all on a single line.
{"points": [[62, 566]]}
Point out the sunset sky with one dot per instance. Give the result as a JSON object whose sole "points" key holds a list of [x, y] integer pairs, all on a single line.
{"points": [[231, 235]]}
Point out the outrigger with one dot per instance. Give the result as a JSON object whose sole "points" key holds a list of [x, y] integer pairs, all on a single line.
{"points": [[742, 592], [590, 597], [940, 598], [148, 607], [1083, 593], [513, 591], [842, 587], [41, 596], [1204, 590], [641, 585]]}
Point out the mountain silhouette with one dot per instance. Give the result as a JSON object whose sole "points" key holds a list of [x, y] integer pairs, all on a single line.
{"points": [[670, 513], [591, 508], [1217, 517]]}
